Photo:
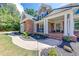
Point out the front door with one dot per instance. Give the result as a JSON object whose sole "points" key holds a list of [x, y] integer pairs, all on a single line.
{"points": [[52, 27], [58, 27]]}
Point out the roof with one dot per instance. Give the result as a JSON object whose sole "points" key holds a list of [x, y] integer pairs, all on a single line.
{"points": [[64, 8], [27, 17]]}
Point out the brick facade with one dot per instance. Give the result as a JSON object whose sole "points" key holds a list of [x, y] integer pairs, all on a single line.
{"points": [[28, 26]]}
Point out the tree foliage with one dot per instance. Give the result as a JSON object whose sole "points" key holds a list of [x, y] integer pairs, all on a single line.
{"points": [[9, 18], [31, 12]]}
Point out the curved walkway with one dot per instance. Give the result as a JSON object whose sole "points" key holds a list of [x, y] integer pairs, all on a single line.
{"points": [[41, 44], [31, 45]]}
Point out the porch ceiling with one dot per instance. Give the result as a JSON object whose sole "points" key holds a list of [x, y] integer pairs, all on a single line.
{"points": [[40, 21], [56, 19]]}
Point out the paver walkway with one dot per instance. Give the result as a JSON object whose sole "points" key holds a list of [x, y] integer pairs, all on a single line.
{"points": [[31, 45]]}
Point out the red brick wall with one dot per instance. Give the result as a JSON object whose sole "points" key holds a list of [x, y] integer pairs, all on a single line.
{"points": [[28, 26], [58, 36]]}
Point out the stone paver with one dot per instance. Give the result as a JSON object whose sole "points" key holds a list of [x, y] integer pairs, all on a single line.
{"points": [[75, 47], [50, 41]]}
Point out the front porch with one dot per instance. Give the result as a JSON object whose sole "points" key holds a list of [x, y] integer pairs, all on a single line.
{"points": [[57, 26]]}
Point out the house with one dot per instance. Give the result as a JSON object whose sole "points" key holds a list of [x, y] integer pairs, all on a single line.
{"points": [[60, 22]]}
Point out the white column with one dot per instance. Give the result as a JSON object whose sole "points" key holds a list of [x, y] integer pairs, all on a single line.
{"points": [[71, 21], [65, 25], [45, 26]]}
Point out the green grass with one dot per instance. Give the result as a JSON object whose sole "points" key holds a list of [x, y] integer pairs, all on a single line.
{"points": [[7, 48]]}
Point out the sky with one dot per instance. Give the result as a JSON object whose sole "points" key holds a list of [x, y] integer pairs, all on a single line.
{"points": [[36, 6]]}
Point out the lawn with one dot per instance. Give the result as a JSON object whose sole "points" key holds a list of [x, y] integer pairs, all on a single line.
{"points": [[7, 48]]}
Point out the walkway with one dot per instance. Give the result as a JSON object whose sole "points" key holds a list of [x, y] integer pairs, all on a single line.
{"points": [[41, 44], [31, 45]]}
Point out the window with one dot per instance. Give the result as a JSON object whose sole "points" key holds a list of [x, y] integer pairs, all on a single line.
{"points": [[41, 27], [76, 25]]}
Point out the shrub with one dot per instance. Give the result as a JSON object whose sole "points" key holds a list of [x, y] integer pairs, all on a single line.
{"points": [[66, 38], [52, 52], [25, 34]]}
